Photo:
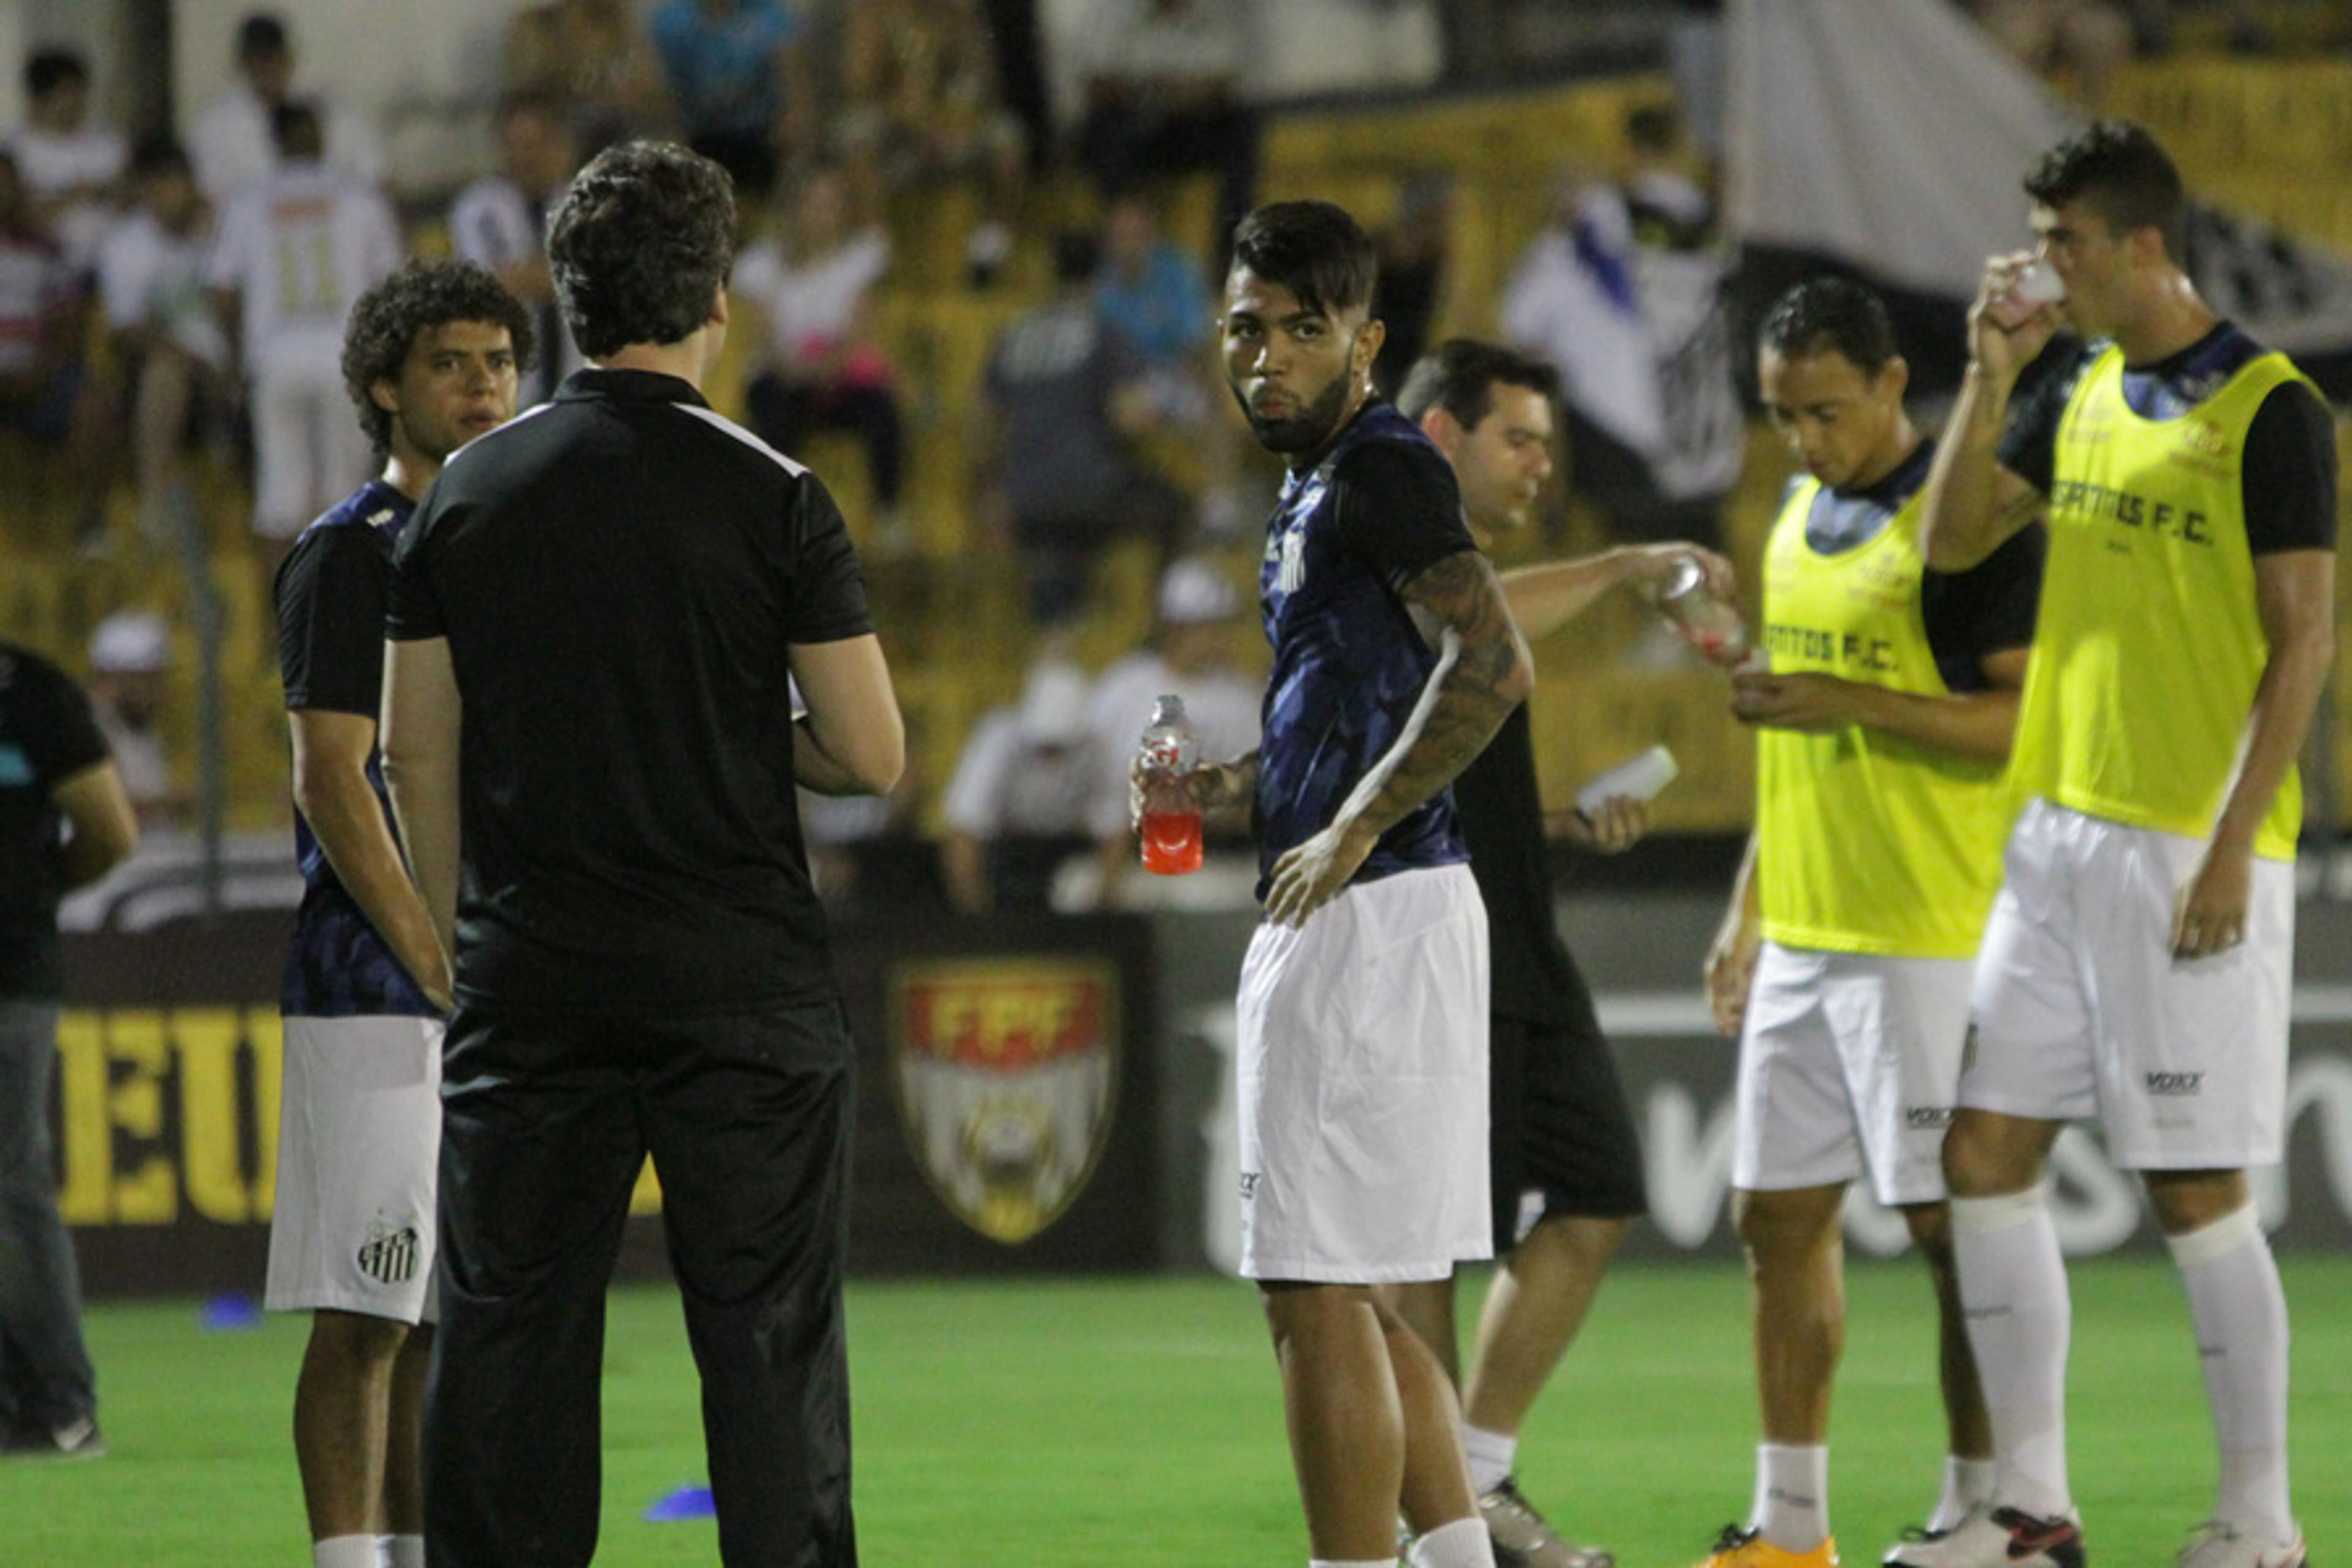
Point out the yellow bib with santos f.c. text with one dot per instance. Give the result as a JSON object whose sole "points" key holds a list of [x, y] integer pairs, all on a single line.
{"points": [[2150, 644], [1866, 843]]}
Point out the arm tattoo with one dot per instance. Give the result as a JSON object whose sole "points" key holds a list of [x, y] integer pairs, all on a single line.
{"points": [[1484, 672]]}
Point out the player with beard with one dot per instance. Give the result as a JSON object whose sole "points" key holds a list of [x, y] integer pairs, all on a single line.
{"points": [[430, 358], [1363, 1094]]}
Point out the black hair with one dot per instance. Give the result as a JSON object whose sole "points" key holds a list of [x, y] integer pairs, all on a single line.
{"points": [[159, 152], [639, 245], [1826, 315], [296, 131], [390, 316], [47, 69], [2120, 172], [261, 33], [1312, 248], [1460, 376]]}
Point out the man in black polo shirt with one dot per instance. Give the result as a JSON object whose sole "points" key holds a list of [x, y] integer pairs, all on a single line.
{"points": [[54, 773], [1567, 1169], [598, 606]]}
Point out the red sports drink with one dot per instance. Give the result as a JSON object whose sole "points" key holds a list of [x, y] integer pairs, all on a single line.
{"points": [[1168, 823]]}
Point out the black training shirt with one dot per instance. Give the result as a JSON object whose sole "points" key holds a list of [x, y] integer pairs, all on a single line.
{"points": [[2288, 474], [619, 573], [47, 735], [1500, 805]]}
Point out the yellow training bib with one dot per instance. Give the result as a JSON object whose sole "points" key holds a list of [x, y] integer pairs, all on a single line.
{"points": [[2150, 644], [1866, 843]]}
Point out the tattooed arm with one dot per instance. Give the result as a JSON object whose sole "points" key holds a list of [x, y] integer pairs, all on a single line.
{"points": [[1483, 672]]}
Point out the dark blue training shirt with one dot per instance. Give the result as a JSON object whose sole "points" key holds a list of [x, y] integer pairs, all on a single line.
{"points": [[1379, 508], [331, 604]]}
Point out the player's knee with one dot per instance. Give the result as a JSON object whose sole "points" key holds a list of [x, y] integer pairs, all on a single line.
{"points": [[1778, 1227], [2185, 1201], [357, 1339], [1982, 1159]]}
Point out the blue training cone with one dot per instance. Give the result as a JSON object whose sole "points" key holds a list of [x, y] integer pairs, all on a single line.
{"points": [[687, 1502], [230, 1312]]}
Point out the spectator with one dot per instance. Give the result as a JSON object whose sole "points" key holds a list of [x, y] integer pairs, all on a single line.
{"points": [[1622, 294], [823, 368], [920, 83], [46, 390], [2083, 40], [1190, 656], [129, 657], [168, 347], [590, 61], [1161, 85], [295, 251], [72, 168], [1059, 477], [500, 222], [739, 73], [1151, 294], [63, 824], [1412, 252], [1017, 809], [234, 143]]}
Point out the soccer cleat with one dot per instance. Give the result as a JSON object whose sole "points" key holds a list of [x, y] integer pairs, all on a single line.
{"points": [[1524, 1539], [1923, 1547], [77, 1439], [1738, 1548], [2221, 1544], [2004, 1538]]}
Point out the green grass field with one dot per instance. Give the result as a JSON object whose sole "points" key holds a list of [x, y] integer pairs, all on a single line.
{"points": [[1055, 1424]]}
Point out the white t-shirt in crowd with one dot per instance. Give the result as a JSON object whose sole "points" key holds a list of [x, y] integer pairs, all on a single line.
{"points": [[55, 161], [1221, 706], [148, 276], [1005, 785], [301, 248], [233, 148], [812, 305]]}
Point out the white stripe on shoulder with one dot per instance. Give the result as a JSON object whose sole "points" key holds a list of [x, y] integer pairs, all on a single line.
{"points": [[719, 421], [488, 435]]}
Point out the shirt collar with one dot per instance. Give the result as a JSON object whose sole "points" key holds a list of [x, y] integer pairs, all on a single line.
{"points": [[628, 386]]}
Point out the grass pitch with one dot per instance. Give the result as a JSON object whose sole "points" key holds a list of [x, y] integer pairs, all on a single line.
{"points": [[1055, 1424]]}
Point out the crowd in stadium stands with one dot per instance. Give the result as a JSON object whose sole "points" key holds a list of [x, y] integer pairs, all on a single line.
{"points": [[170, 307]]}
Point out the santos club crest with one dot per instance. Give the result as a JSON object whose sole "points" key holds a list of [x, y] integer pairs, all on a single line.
{"points": [[1007, 1071]]}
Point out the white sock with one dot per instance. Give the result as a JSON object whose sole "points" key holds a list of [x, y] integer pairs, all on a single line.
{"points": [[1461, 1544], [1968, 1483], [402, 1550], [1490, 1454], [344, 1552], [2013, 1289], [1792, 1495], [2240, 1312]]}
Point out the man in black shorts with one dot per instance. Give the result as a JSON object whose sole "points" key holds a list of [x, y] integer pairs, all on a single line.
{"points": [[600, 604], [1566, 1166]]}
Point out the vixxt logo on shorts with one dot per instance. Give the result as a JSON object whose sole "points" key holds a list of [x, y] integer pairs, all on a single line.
{"points": [[392, 1251], [2174, 1085]]}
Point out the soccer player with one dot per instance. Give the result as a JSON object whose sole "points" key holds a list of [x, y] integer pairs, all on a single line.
{"points": [[294, 251], [1565, 1165], [430, 359], [1363, 997], [602, 607], [2137, 965], [1844, 960]]}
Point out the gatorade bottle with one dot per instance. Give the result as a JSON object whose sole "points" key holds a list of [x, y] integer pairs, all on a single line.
{"points": [[1706, 622], [1171, 825]]}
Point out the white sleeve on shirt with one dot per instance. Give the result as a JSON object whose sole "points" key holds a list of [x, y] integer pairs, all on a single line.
{"points": [[974, 802]]}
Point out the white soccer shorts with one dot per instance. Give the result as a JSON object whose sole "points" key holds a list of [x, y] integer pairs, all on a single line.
{"points": [[2081, 1009], [1849, 1060], [1362, 1071], [308, 451], [359, 1140]]}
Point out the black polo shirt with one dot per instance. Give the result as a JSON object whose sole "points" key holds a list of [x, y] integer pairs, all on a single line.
{"points": [[618, 574], [48, 734], [1501, 808]]}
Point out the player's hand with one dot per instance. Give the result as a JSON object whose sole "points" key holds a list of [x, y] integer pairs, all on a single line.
{"points": [[2209, 917], [1653, 566], [2001, 352], [1312, 874], [1730, 970], [1616, 827], [1815, 704]]}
